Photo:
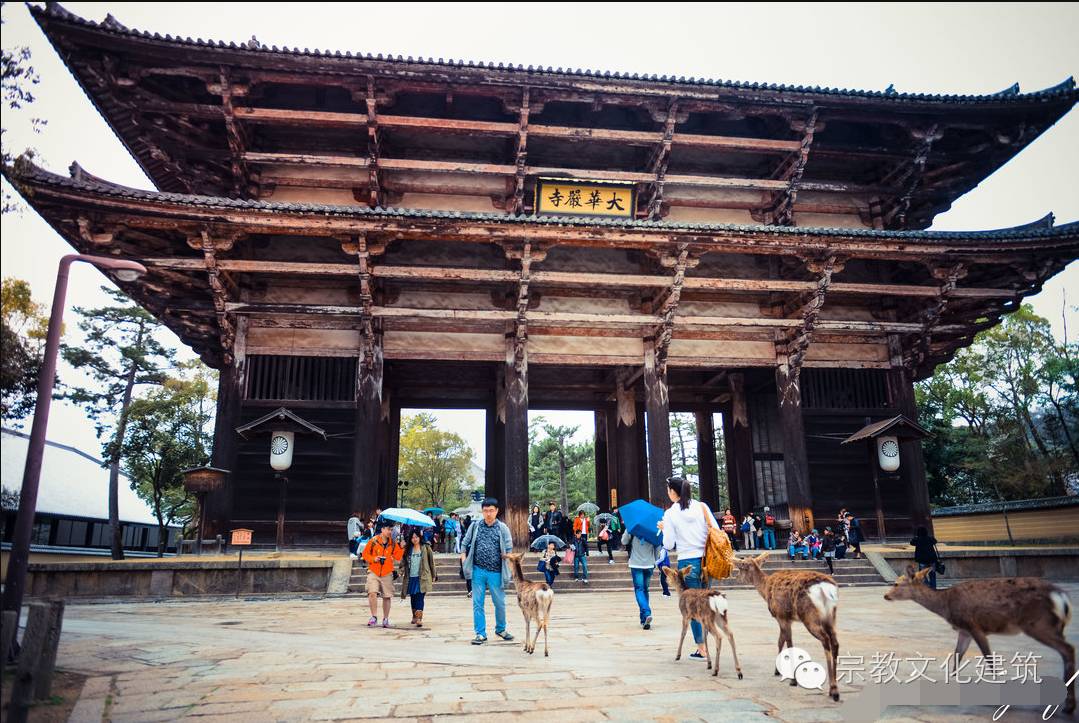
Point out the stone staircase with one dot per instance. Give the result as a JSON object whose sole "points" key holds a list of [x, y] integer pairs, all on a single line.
{"points": [[604, 576]]}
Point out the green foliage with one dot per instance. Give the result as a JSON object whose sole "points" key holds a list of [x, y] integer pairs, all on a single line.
{"points": [[1004, 415], [169, 430], [558, 468], [16, 92], [23, 327], [435, 464]]}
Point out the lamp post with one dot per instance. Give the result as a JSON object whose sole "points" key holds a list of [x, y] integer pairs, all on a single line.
{"points": [[24, 522]]}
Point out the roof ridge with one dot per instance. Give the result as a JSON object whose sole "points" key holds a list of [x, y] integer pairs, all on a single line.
{"points": [[58, 445], [25, 169], [55, 10]]}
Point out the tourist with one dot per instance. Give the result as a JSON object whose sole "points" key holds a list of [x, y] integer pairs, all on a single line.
{"points": [[769, 529], [796, 545], [418, 568], [730, 526], [605, 537], [617, 527], [855, 538], [535, 524], [925, 554], [812, 542], [381, 554], [552, 522], [581, 527], [685, 528], [451, 533], [758, 529], [827, 547], [642, 560], [840, 544], [355, 532], [663, 561], [466, 578], [749, 533], [483, 555], [549, 562]]}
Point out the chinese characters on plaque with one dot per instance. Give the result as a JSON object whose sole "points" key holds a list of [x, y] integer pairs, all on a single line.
{"points": [[566, 197]]}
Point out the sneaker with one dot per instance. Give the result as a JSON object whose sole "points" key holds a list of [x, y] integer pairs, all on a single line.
{"points": [[372, 622], [667, 594], [610, 562], [479, 640], [385, 622], [353, 556], [585, 581], [469, 593], [696, 655], [648, 623], [504, 635]]}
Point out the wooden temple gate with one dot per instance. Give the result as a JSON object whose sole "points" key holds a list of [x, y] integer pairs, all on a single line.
{"points": [[348, 236]]}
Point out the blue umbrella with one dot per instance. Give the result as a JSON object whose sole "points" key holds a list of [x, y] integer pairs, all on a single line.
{"points": [[434, 511], [641, 517], [408, 517]]}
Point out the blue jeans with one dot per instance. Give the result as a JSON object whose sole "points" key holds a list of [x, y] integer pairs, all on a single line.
{"points": [[549, 577], [581, 558], [640, 590], [482, 580], [769, 538], [793, 550], [693, 580]]}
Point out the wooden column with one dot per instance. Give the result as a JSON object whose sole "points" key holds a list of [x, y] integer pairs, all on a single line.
{"points": [[603, 478], [658, 429], [515, 502], [706, 459], [389, 451], [911, 457], [795, 460], [364, 495], [494, 475], [230, 393], [741, 487], [626, 446]]}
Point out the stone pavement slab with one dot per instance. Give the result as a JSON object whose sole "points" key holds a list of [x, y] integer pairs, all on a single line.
{"points": [[291, 660]]}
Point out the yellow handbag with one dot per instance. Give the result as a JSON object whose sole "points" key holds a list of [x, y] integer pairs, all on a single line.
{"points": [[718, 562]]}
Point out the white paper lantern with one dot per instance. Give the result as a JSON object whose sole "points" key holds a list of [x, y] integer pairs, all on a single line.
{"points": [[888, 453], [281, 444]]}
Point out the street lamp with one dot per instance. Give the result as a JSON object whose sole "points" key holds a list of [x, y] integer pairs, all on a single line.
{"points": [[24, 522]]}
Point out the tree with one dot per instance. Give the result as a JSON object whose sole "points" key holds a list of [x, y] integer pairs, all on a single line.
{"points": [[23, 327], [169, 431], [16, 92], [434, 462], [684, 445], [120, 352], [559, 468]]}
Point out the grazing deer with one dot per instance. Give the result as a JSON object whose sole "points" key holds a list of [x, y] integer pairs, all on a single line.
{"points": [[534, 599], [809, 596], [707, 607], [1000, 606]]}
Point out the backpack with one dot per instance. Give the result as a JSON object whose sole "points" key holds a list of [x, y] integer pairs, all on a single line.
{"points": [[745, 527], [769, 521]]}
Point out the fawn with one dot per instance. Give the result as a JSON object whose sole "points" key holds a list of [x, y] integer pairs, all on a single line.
{"points": [[534, 599], [809, 596], [707, 607], [1001, 606]]}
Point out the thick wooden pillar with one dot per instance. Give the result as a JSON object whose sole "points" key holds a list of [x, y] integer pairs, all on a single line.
{"points": [[389, 453], [741, 487], [911, 457], [230, 393], [603, 477], [795, 460], [657, 416], [706, 459], [626, 447], [515, 501], [494, 473], [364, 495]]}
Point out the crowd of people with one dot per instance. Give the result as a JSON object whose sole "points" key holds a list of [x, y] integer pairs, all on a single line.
{"points": [[392, 551]]}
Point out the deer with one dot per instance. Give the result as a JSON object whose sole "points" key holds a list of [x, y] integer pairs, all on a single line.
{"points": [[805, 595], [997, 606], [534, 599], [707, 607]]}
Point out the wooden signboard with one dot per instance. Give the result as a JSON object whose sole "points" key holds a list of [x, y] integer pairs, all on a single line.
{"points": [[570, 197], [240, 537]]}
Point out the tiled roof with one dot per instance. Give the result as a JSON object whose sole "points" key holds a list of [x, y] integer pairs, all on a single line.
{"points": [[27, 171], [55, 11]]}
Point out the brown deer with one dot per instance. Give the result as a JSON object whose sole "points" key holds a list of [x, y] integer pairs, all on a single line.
{"points": [[997, 606], [534, 599], [707, 607], [808, 596]]}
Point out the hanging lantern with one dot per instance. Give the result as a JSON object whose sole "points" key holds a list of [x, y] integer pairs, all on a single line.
{"points": [[281, 445], [888, 452]]}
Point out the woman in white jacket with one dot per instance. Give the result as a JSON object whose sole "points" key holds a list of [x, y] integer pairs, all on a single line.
{"points": [[685, 528]]}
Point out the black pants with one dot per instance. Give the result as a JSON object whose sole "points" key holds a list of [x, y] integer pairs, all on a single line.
{"points": [[417, 599], [610, 546]]}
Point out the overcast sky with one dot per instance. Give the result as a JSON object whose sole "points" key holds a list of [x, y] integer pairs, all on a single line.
{"points": [[936, 48]]}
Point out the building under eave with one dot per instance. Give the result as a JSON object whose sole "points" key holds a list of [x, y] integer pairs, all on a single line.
{"points": [[348, 235]]}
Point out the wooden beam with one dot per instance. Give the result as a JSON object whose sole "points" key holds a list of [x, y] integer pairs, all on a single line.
{"points": [[920, 350], [374, 147], [661, 158], [234, 135], [521, 157], [573, 279], [782, 211], [665, 331], [911, 177], [797, 349], [227, 330]]}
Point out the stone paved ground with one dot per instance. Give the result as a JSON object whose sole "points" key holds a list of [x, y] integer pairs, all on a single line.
{"points": [[317, 660]]}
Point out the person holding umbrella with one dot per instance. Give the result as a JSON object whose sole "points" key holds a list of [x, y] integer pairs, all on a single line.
{"points": [[642, 560], [418, 568], [381, 554], [549, 562]]}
